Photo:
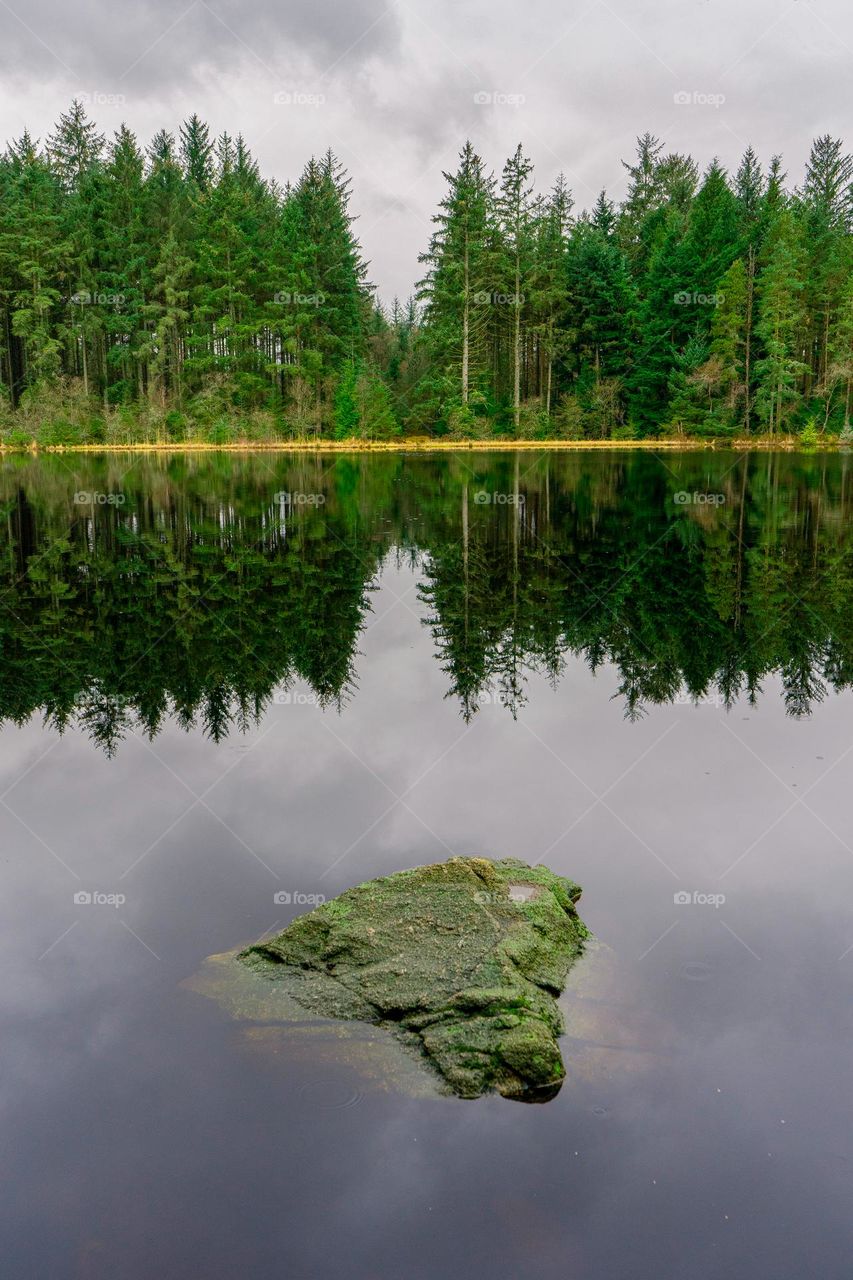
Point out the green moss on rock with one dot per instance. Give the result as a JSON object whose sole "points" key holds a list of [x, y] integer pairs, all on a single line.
{"points": [[464, 958]]}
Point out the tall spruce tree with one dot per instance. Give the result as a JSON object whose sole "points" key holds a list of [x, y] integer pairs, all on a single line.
{"points": [[459, 275], [515, 215]]}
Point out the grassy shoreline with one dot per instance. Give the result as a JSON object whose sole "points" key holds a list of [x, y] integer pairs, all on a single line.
{"points": [[787, 443]]}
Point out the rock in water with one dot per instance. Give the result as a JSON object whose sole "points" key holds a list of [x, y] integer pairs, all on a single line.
{"points": [[463, 958]]}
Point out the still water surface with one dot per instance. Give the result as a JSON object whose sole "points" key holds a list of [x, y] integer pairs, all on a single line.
{"points": [[227, 679]]}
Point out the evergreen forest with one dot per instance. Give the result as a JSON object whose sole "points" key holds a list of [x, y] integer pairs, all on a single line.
{"points": [[171, 292]]}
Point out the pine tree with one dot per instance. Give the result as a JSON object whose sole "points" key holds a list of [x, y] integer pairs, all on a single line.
{"points": [[197, 154], [839, 374], [167, 312], [730, 331], [664, 319], [658, 184], [375, 410], [826, 210], [780, 327], [711, 237], [749, 194], [32, 246], [642, 199], [514, 212], [347, 417], [600, 302], [125, 266], [75, 148], [459, 273], [75, 152], [549, 283]]}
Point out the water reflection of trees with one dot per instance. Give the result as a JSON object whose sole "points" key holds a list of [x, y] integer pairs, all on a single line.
{"points": [[203, 592]]}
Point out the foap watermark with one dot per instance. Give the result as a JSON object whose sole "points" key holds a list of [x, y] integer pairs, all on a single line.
{"points": [[96, 898], [296, 898], [517, 893], [293, 498], [494, 697], [704, 700], [497, 98], [486, 498], [683, 898], [695, 98], [688, 298], [486, 298], [295, 698], [98, 98], [696, 499], [284, 298], [83, 498], [298, 98], [85, 298]]}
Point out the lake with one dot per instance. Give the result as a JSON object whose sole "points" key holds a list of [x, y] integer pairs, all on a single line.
{"points": [[232, 685]]}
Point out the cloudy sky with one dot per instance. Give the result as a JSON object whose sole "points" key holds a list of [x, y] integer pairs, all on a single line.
{"points": [[395, 88]]}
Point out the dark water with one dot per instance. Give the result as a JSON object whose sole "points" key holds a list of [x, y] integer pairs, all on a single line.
{"points": [[212, 693]]}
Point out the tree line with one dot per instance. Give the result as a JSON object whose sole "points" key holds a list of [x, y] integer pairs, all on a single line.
{"points": [[174, 284], [172, 292], [710, 304]]}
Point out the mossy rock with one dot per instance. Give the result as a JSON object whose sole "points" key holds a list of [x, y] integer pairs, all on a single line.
{"points": [[463, 960]]}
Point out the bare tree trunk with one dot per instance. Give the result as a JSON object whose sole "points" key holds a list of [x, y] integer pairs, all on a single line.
{"points": [[466, 319], [85, 365], [748, 352], [516, 395]]}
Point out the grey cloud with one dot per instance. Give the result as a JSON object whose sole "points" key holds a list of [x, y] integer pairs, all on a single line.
{"points": [[575, 81], [155, 42]]}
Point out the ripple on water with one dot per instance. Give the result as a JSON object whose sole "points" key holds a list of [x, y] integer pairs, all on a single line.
{"points": [[329, 1095]]}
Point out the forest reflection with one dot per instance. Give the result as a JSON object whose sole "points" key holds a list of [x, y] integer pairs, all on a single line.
{"points": [[136, 589]]}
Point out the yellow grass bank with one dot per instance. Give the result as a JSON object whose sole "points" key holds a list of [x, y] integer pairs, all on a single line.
{"points": [[422, 445]]}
